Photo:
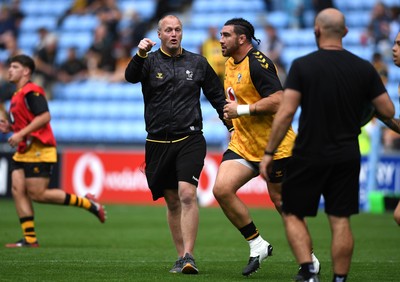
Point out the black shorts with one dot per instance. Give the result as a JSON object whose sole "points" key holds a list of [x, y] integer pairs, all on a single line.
{"points": [[305, 182], [34, 169], [169, 163], [278, 166]]}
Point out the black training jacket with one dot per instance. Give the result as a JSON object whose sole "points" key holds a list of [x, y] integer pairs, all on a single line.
{"points": [[171, 89]]}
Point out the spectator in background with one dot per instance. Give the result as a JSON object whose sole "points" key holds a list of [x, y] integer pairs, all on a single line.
{"points": [[295, 9], [211, 49], [395, 22], [123, 57], [320, 5], [272, 47], [163, 7], [109, 15], [6, 88], [100, 58], [16, 14], [133, 29], [7, 25], [364, 139], [269, 5], [380, 66], [45, 61], [42, 33], [73, 68], [378, 29], [80, 7], [3, 116]]}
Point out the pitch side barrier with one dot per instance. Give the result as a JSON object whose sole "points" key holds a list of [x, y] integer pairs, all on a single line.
{"points": [[117, 176]]}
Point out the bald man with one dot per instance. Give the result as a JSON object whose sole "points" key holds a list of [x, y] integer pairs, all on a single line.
{"points": [[332, 86]]}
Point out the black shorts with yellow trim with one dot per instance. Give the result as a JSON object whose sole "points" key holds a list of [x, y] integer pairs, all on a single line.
{"points": [[278, 166], [33, 169]]}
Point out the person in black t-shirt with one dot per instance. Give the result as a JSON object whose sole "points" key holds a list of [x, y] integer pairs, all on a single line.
{"points": [[332, 86]]}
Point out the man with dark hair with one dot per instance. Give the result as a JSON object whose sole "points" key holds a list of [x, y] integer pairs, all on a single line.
{"points": [[255, 92], [172, 79], [396, 60], [36, 153], [332, 86]]}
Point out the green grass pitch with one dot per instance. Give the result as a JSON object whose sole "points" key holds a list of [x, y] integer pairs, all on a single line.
{"points": [[135, 245]]}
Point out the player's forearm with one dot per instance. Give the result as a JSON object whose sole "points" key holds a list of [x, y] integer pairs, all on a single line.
{"points": [[268, 105], [393, 124]]}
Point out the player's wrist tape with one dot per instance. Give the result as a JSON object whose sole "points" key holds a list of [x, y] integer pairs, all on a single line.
{"points": [[243, 110], [269, 153]]}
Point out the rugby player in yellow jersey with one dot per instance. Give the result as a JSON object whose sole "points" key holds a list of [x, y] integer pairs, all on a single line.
{"points": [[254, 94]]}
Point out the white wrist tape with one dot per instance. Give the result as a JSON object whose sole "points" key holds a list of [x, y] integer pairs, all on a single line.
{"points": [[243, 110]]}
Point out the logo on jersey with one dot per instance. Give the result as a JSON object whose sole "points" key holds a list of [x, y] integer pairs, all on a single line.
{"points": [[239, 78], [263, 62], [189, 75], [36, 170], [160, 75], [230, 94]]}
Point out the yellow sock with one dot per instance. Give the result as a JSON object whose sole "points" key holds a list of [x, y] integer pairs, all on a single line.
{"points": [[28, 228], [74, 200]]}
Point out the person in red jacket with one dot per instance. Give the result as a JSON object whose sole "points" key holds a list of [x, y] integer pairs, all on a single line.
{"points": [[36, 153]]}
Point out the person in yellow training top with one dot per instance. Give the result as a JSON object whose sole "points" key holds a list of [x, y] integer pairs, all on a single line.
{"points": [[211, 50], [36, 154], [254, 94]]}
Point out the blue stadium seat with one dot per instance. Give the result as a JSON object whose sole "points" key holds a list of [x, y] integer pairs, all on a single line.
{"points": [[79, 39], [364, 52], [223, 6], [27, 39], [357, 18], [279, 19], [394, 74], [215, 133], [73, 23], [145, 8], [124, 91], [298, 37], [353, 37], [292, 53], [45, 7], [33, 23]]}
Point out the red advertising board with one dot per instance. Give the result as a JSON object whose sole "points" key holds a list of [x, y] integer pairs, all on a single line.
{"points": [[118, 177]]}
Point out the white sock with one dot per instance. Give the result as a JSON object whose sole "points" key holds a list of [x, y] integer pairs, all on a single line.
{"points": [[255, 244]]}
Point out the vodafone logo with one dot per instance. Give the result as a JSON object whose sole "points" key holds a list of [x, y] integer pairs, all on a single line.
{"points": [[88, 164], [204, 191], [231, 94], [107, 175]]}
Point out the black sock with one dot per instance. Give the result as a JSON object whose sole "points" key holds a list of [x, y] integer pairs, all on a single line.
{"points": [[249, 231]]}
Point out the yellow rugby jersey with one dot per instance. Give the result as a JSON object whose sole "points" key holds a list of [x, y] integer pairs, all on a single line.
{"points": [[248, 81]]}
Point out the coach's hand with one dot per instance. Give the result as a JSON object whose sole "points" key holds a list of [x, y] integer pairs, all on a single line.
{"points": [[145, 46]]}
